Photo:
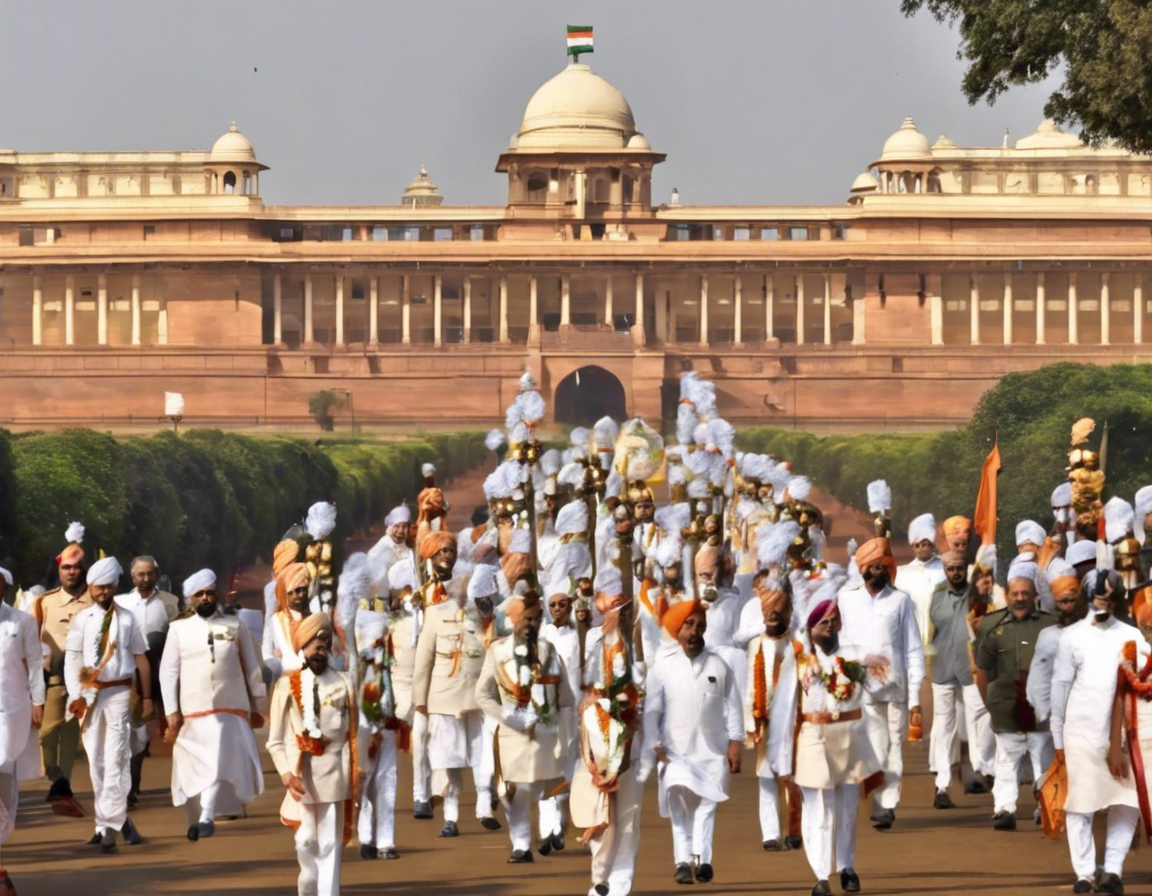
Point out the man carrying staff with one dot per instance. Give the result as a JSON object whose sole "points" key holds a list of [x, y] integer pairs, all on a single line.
{"points": [[212, 682], [105, 652]]}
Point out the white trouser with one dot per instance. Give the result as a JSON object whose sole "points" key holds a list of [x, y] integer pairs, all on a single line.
{"points": [[553, 814], [377, 823], [614, 851], [319, 843], [769, 810], [830, 816], [9, 795], [947, 724], [455, 787], [887, 724], [1121, 826], [693, 821], [518, 813], [981, 740], [1010, 750], [106, 739], [421, 771]]}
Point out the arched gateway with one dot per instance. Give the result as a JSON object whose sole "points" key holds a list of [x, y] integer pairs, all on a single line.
{"points": [[587, 394]]}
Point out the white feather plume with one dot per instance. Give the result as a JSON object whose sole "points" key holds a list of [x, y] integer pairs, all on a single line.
{"points": [[686, 421], [722, 435], [605, 432], [579, 437], [1118, 519], [495, 439], [354, 585], [671, 518], [879, 496], [74, 534], [669, 552], [571, 474], [773, 541], [550, 462], [321, 520], [799, 487], [531, 407]]}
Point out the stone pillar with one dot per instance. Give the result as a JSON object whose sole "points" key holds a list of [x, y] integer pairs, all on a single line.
{"points": [[934, 286], [339, 284], [437, 312], [1138, 308], [1041, 308], [974, 310], [737, 310], [704, 309], [406, 309], [373, 311], [827, 309], [162, 323], [467, 337], [640, 302], [102, 309], [37, 310], [69, 310], [565, 300], [1073, 311], [503, 307], [1007, 308], [136, 308], [309, 329], [608, 310], [1105, 308], [769, 307], [277, 311], [859, 311], [534, 303], [799, 309]]}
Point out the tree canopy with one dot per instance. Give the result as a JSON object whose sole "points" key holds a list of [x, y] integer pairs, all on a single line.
{"points": [[1103, 47]]}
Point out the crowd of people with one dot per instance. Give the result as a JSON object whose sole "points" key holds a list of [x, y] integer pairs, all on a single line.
{"points": [[577, 640]]}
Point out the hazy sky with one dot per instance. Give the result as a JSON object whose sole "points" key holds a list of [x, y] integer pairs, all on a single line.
{"points": [[763, 101]]}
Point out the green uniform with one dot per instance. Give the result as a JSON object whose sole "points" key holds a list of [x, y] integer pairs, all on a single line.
{"points": [[1004, 651]]}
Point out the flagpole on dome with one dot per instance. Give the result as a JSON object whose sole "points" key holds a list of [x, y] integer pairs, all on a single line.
{"points": [[579, 42]]}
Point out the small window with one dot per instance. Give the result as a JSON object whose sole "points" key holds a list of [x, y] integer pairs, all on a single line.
{"points": [[476, 233], [379, 234], [346, 234], [840, 231], [357, 291], [717, 233], [287, 233], [537, 187], [396, 234], [86, 292], [797, 234], [149, 229], [412, 234], [740, 234], [770, 234], [442, 235], [26, 236]]}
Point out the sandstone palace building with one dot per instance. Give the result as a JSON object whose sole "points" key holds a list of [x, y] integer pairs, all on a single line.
{"points": [[127, 274]]}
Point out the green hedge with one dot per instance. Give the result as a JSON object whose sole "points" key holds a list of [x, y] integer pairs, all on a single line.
{"points": [[203, 498], [939, 472]]}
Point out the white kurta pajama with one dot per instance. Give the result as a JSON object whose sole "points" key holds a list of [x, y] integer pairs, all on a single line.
{"points": [[211, 673], [553, 812], [774, 735], [106, 726], [692, 711], [405, 633], [153, 615], [21, 688], [1083, 689], [724, 615]]}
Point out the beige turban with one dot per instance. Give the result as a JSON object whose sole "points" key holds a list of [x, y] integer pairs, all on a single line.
{"points": [[318, 625], [434, 542], [875, 549], [293, 576], [515, 565], [515, 606], [956, 525], [283, 554], [71, 554]]}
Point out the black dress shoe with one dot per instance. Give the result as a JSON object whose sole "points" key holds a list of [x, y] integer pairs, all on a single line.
{"points": [[884, 819], [1083, 886], [131, 835], [682, 874], [1004, 821], [193, 832], [601, 889], [821, 889], [96, 840], [489, 823], [422, 809], [449, 830], [849, 881], [60, 788], [133, 800], [793, 842], [520, 856], [389, 853], [108, 841], [206, 829], [1110, 883], [943, 800], [545, 847], [772, 846], [368, 851], [704, 873], [557, 841]]}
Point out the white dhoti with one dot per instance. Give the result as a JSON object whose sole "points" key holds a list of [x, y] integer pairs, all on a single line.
{"points": [[377, 823], [107, 736], [319, 843], [887, 725], [454, 744], [215, 767], [829, 822], [693, 821]]}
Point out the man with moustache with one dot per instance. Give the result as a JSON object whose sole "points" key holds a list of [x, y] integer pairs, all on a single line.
{"points": [[105, 652], [212, 683], [693, 726], [561, 633], [393, 546], [1006, 645], [881, 620], [1071, 607]]}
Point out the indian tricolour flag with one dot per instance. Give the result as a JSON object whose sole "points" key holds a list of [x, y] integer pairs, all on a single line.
{"points": [[579, 39]]}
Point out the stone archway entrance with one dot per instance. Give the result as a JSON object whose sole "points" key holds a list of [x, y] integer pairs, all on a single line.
{"points": [[587, 394]]}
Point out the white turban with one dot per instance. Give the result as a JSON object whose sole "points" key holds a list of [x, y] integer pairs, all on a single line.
{"points": [[923, 528], [7, 575], [483, 581], [1062, 495], [1030, 532], [1023, 569], [199, 581], [1081, 552], [396, 515], [401, 575], [105, 572], [572, 518]]}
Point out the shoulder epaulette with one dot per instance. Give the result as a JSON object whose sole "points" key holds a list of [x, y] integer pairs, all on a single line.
{"points": [[184, 614]]}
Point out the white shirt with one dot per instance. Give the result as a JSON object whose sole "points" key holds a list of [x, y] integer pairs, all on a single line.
{"points": [[886, 625], [386, 552], [83, 648], [1039, 688], [566, 641], [918, 579], [21, 680], [152, 614]]}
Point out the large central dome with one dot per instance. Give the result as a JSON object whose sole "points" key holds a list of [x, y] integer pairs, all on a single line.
{"points": [[579, 109]]}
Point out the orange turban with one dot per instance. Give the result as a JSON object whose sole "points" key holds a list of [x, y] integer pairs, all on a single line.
{"points": [[291, 577], [677, 614], [71, 554], [875, 549], [606, 603], [515, 607], [434, 542], [1141, 608], [317, 625], [283, 554], [772, 599], [1062, 586], [515, 564], [956, 525]]}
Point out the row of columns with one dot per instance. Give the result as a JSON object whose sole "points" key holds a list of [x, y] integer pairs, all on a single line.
{"points": [[101, 311], [1073, 308], [832, 282]]}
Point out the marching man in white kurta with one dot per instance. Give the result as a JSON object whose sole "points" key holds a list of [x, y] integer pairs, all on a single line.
{"points": [[1099, 779], [291, 589], [105, 652], [694, 726], [212, 685], [21, 706]]}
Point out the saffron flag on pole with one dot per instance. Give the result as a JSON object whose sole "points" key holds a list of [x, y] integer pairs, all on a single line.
{"points": [[579, 39], [984, 519]]}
